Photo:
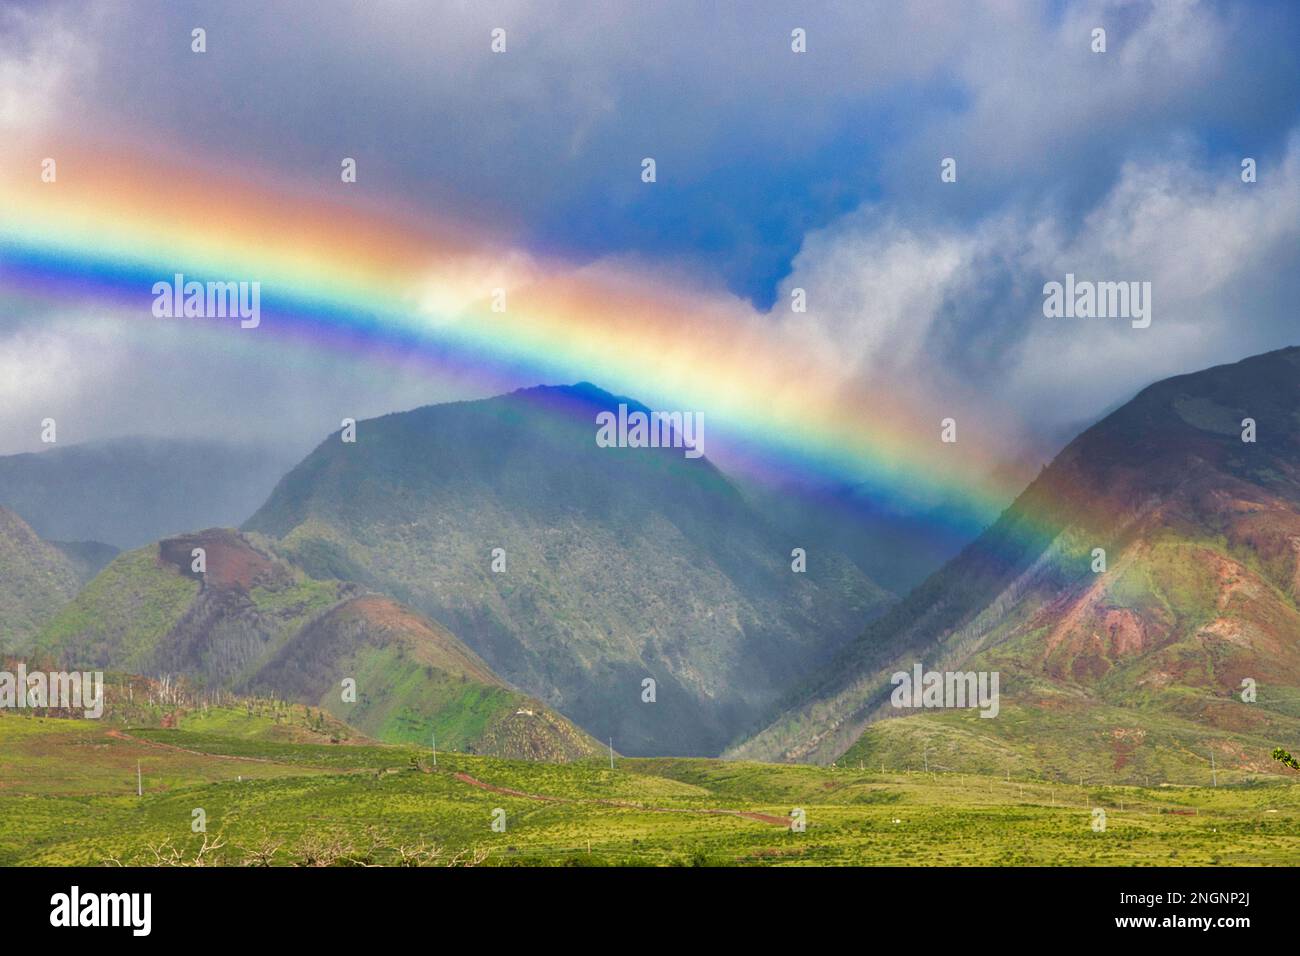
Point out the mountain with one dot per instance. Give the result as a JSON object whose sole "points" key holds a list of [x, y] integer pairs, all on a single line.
{"points": [[36, 579], [415, 679], [1133, 670], [131, 491], [251, 623], [621, 565]]}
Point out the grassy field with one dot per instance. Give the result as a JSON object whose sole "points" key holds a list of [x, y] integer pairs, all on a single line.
{"points": [[68, 796]]}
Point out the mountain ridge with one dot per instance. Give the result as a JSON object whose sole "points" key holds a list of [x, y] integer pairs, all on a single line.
{"points": [[36, 578], [621, 564], [228, 613], [1202, 538]]}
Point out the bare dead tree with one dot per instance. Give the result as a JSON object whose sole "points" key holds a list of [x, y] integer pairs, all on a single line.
{"points": [[261, 855]]}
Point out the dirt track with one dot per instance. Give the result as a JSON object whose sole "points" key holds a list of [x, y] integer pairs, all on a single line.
{"points": [[119, 735]]}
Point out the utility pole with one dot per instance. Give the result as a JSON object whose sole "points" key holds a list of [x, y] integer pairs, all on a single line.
{"points": [[1213, 771], [611, 753], [139, 781], [433, 739]]}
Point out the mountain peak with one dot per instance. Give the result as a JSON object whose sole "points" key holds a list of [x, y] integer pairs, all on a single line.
{"points": [[1138, 581], [575, 571]]}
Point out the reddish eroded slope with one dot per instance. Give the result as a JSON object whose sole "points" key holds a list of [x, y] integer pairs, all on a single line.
{"points": [[1200, 589], [231, 560]]}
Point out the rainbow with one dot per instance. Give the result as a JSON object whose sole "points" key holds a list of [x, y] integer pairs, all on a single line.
{"points": [[365, 277]]}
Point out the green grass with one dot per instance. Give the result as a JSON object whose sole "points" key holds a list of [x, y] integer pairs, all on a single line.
{"points": [[68, 796], [405, 702], [305, 599], [131, 589]]}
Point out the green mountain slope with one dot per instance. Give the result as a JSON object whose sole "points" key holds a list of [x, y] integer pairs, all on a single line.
{"points": [[415, 683], [1139, 668], [36, 579], [621, 564], [252, 623]]}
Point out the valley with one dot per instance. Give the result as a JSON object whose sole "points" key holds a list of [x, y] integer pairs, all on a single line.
{"points": [[1100, 677]]}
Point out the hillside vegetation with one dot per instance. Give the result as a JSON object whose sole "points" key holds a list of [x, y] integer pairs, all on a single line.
{"points": [[252, 623], [620, 564], [36, 579], [1186, 643]]}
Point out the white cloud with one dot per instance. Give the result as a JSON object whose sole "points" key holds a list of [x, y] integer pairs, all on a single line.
{"points": [[1035, 102], [954, 307], [102, 373], [1214, 250], [43, 52], [60, 367], [874, 293]]}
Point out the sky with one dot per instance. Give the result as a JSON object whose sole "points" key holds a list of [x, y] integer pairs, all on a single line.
{"points": [[775, 171]]}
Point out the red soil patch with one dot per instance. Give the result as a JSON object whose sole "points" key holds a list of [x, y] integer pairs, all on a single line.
{"points": [[230, 561], [475, 782], [118, 735]]}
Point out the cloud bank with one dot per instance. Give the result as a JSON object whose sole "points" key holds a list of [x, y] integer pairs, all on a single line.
{"points": [[777, 171]]}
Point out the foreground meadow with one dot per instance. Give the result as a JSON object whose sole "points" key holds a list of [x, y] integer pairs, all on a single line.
{"points": [[68, 795]]}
